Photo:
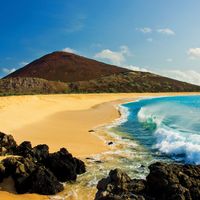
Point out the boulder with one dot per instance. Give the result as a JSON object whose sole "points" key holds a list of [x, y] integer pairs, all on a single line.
{"points": [[29, 177], [23, 149], [118, 185], [34, 169], [64, 166], [173, 181], [80, 166], [2, 172], [39, 152], [164, 182], [7, 144], [41, 181]]}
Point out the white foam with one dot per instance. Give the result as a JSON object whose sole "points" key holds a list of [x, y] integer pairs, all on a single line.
{"points": [[174, 143], [124, 113], [145, 116]]}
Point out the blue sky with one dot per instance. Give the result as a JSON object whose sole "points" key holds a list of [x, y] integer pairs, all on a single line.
{"points": [[155, 35]]}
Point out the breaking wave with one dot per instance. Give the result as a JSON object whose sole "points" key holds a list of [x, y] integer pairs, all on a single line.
{"points": [[176, 129]]}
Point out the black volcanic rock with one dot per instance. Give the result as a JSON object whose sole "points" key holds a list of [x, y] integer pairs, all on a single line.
{"points": [[174, 181], [118, 185], [34, 169], [41, 181], [64, 165], [29, 177], [23, 149], [164, 182], [41, 152], [7, 144]]}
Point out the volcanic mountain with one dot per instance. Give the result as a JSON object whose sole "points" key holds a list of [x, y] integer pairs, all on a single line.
{"points": [[61, 72], [66, 67]]}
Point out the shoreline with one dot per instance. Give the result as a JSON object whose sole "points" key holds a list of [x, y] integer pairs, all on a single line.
{"points": [[82, 112]]}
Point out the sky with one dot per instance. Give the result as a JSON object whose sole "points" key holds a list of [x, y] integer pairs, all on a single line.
{"points": [[160, 36]]}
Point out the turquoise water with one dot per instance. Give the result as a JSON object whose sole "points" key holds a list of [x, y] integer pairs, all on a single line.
{"points": [[168, 127]]}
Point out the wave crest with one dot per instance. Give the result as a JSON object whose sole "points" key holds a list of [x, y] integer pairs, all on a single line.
{"points": [[172, 130]]}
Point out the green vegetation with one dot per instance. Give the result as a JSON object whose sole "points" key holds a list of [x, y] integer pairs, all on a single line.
{"points": [[125, 82]]}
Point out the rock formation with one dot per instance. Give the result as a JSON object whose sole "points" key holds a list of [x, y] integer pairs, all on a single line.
{"points": [[34, 169], [164, 182]]}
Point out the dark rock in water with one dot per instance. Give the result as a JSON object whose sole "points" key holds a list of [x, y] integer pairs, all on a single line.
{"points": [[164, 182], [174, 181], [7, 144], [98, 161], [64, 166], [80, 166], [118, 185], [88, 158], [110, 143]]}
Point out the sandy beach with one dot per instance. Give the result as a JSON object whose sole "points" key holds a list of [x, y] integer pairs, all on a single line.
{"points": [[62, 121]]}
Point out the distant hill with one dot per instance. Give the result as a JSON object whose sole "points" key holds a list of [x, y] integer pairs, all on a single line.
{"points": [[66, 67], [61, 72]]}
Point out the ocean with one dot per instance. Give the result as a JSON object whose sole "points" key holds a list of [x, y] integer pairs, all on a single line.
{"points": [[167, 127]]}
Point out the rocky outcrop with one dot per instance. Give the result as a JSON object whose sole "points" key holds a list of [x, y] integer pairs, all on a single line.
{"points": [[34, 169], [28, 85], [64, 165], [164, 182], [7, 144], [29, 177], [174, 181]]}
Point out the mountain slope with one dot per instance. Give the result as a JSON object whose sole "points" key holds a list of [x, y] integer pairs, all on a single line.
{"points": [[21, 85], [61, 72], [66, 67], [132, 82]]}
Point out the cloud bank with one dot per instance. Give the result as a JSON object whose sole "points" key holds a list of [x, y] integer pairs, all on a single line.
{"points": [[69, 50], [194, 53], [114, 57]]}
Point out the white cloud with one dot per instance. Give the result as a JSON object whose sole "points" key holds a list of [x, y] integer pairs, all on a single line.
{"points": [[194, 53], [23, 63], [166, 31], [8, 71], [114, 57], [144, 30], [190, 76], [136, 68], [69, 50]]}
